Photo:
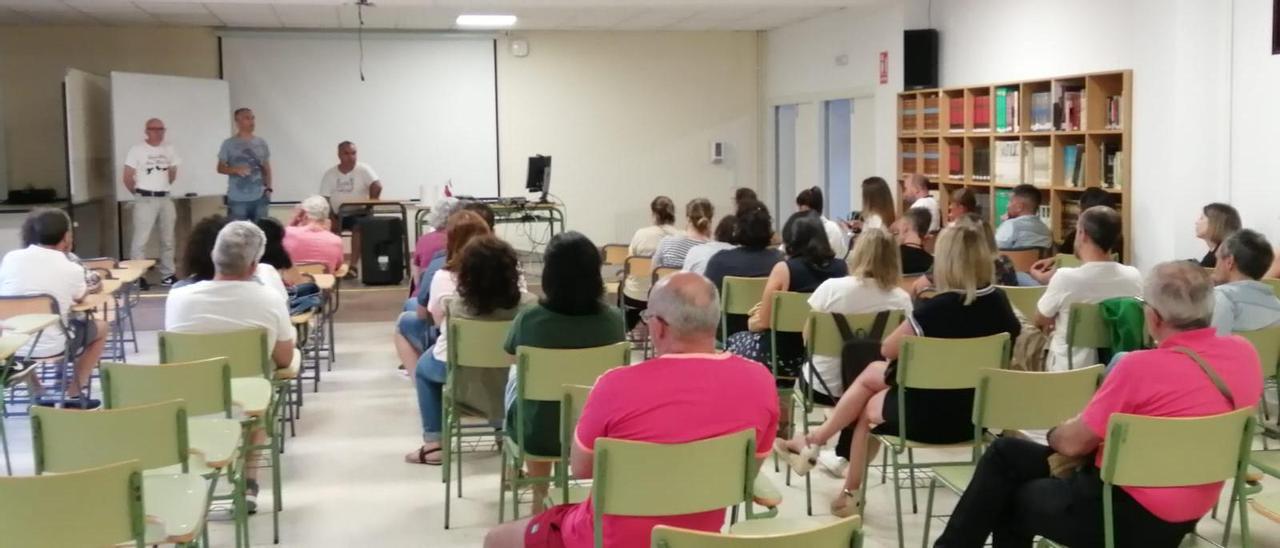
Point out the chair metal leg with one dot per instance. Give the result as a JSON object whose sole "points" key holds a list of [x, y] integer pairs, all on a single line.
{"points": [[897, 500], [911, 473], [928, 512], [4, 441], [502, 489]]}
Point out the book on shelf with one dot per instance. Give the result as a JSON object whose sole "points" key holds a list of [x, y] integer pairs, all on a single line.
{"points": [[1072, 158], [909, 114], [931, 159], [1070, 213], [1002, 204], [984, 203], [982, 163], [908, 156], [931, 113], [981, 115], [1109, 164], [1041, 111], [1118, 175], [1068, 107], [956, 114], [1035, 163], [1045, 214], [955, 161], [1008, 168], [1114, 103], [1006, 110]]}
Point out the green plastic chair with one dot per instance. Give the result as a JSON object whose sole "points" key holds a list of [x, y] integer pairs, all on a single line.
{"points": [[1016, 400], [1085, 329], [541, 374], [1267, 342], [34, 509], [789, 314], [650, 479], [568, 489], [933, 363], [1024, 299], [473, 345], [844, 533], [155, 436], [1066, 260], [1274, 283], [253, 387], [1175, 452], [737, 296]]}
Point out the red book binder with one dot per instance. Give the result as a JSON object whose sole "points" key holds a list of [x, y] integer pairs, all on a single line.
{"points": [[955, 161], [982, 112], [957, 113]]}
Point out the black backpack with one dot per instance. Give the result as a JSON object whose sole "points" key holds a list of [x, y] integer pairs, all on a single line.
{"points": [[860, 348]]}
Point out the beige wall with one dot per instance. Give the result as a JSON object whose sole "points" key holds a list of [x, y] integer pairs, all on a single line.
{"points": [[33, 61], [628, 116]]}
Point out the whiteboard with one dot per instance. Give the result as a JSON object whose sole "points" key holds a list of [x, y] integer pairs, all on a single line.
{"points": [[197, 114], [87, 98], [426, 113]]}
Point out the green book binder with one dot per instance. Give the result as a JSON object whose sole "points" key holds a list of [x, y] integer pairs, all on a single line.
{"points": [[1002, 203], [1001, 104]]}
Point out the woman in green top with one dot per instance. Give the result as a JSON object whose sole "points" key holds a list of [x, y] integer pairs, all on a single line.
{"points": [[571, 315]]}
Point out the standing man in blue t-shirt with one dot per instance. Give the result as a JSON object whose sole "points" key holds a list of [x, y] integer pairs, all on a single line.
{"points": [[246, 161]]}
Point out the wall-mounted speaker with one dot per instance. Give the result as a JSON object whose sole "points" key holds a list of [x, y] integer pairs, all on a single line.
{"points": [[920, 59]]}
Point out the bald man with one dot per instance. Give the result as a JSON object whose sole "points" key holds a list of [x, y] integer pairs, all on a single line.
{"points": [[150, 168]]}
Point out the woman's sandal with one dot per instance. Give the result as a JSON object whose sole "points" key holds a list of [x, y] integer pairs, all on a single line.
{"points": [[420, 456], [802, 461], [852, 504]]}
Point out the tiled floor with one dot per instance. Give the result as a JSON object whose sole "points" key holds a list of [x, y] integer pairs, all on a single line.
{"points": [[346, 484]]}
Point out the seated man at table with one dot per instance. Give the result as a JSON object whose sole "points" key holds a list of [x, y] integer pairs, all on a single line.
{"points": [[1014, 498], [308, 238], [234, 300], [45, 267], [687, 393], [350, 181]]}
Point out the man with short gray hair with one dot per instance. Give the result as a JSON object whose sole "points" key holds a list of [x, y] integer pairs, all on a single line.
{"points": [[1192, 373], [308, 238], [1242, 303], [687, 393]]}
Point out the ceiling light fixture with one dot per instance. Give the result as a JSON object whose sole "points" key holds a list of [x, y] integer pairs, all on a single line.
{"points": [[488, 21]]}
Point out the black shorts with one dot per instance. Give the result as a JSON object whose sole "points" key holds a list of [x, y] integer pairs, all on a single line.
{"points": [[349, 221]]}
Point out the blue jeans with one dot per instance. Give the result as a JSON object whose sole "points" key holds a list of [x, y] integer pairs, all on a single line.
{"points": [[248, 211], [414, 330], [410, 304], [429, 377]]}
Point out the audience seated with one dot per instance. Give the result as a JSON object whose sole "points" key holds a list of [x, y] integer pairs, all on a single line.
{"points": [[234, 300], [635, 289], [809, 262], [915, 192], [672, 250], [1022, 227], [753, 258], [46, 267], [197, 255], [743, 195], [1092, 196], [698, 256], [433, 240], [481, 281], [1216, 222], [436, 261], [1241, 302], [911, 233], [966, 306], [1002, 266], [963, 202], [687, 393], [308, 237], [1097, 279], [877, 206], [1014, 498], [274, 258], [810, 199], [571, 315]]}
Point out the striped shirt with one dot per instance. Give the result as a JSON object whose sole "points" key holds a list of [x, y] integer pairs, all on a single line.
{"points": [[672, 250]]}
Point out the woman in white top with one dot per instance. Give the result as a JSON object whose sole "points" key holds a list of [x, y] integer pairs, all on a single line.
{"points": [[697, 258], [635, 289], [673, 249]]}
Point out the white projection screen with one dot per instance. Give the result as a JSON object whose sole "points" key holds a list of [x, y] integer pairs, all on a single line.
{"points": [[425, 115]]}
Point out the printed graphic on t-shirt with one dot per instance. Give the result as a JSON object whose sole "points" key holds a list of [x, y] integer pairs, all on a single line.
{"points": [[346, 183], [156, 163]]}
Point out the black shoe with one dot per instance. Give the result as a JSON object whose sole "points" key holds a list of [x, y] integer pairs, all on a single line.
{"points": [[69, 403], [143, 284], [17, 370], [169, 280]]}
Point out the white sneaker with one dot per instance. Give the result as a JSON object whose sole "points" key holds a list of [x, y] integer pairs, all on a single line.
{"points": [[834, 465]]}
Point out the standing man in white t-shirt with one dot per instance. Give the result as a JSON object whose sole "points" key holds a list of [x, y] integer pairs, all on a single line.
{"points": [[150, 168], [915, 192], [350, 180]]}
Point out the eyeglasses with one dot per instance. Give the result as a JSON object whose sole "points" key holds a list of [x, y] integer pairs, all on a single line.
{"points": [[155, 129]]}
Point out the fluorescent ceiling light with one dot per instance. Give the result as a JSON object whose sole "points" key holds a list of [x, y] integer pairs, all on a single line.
{"points": [[486, 20]]}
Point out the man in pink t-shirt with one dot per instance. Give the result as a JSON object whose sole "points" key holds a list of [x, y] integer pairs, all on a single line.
{"points": [[687, 393], [1013, 498], [308, 239]]}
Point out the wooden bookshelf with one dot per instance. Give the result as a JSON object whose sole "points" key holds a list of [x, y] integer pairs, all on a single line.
{"points": [[942, 135]]}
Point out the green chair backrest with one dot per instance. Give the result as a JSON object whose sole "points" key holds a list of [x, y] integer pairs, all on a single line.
{"points": [[104, 505], [1067, 260], [1274, 283], [571, 403], [477, 343], [543, 372], [1026, 400], [1024, 299], [790, 312], [1172, 452], [844, 533], [738, 295], [1267, 342], [66, 440], [246, 350], [933, 363], [653, 479], [1086, 328], [824, 337], [204, 386]]}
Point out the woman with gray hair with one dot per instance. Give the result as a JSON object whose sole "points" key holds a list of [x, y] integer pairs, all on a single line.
{"points": [[309, 237], [434, 240]]}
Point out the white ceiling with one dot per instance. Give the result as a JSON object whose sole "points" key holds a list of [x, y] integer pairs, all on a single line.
{"points": [[426, 14]]}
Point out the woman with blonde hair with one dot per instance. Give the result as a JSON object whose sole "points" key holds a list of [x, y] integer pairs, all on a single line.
{"points": [[967, 305], [673, 249]]}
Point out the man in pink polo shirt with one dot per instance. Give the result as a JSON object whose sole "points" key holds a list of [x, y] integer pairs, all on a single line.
{"points": [[1012, 496], [308, 238], [687, 393]]}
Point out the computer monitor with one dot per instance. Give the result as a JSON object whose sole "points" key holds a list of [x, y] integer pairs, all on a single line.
{"points": [[539, 178]]}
